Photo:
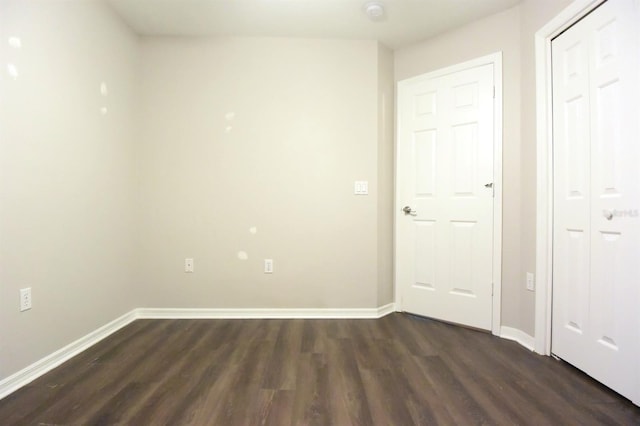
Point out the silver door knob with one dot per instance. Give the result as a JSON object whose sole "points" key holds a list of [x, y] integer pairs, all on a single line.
{"points": [[409, 210], [607, 214]]}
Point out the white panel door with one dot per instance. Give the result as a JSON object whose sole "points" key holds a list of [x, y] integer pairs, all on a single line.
{"points": [[596, 259], [444, 253]]}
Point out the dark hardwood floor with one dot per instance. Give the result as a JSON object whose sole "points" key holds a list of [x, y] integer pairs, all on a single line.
{"points": [[398, 370]]}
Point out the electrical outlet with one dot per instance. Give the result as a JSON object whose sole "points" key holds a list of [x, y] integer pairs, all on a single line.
{"points": [[268, 266], [25, 299], [188, 265], [531, 283]]}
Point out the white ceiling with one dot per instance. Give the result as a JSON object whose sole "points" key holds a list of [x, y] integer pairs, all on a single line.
{"points": [[406, 21]]}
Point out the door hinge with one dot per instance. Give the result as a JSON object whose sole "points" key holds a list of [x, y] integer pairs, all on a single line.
{"points": [[491, 186], [494, 92], [492, 285]]}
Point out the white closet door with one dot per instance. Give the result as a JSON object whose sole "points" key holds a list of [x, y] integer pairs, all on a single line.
{"points": [[596, 260]]}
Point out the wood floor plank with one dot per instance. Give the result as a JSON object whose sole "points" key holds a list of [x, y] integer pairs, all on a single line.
{"points": [[180, 376], [311, 401], [385, 400], [399, 370], [425, 405], [281, 409], [119, 394], [89, 385], [459, 402], [348, 396], [215, 402], [280, 373]]}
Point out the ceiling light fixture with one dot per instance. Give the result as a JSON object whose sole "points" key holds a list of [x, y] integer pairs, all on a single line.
{"points": [[374, 10]]}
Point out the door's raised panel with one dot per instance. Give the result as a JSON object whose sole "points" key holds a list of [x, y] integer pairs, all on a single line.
{"points": [[424, 154], [605, 288], [574, 57], [462, 237], [576, 153], [465, 159], [577, 279], [425, 254], [609, 139], [465, 96], [606, 43], [425, 104]]}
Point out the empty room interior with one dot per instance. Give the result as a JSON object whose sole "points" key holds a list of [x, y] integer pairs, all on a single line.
{"points": [[387, 212]]}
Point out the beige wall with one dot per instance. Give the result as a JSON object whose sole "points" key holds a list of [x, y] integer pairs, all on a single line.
{"points": [[99, 211], [511, 32], [304, 128], [386, 164], [66, 175], [535, 14]]}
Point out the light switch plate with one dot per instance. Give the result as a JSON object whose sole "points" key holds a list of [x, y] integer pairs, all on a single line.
{"points": [[361, 187]]}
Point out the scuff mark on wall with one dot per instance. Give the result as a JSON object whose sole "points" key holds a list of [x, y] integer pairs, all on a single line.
{"points": [[12, 70], [104, 91], [15, 42]]}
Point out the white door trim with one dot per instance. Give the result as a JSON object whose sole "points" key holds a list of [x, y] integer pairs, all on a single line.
{"points": [[544, 204], [496, 60]]}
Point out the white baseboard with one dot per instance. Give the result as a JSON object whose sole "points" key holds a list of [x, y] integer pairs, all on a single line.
{"points": [[387, 309], [170, 313], [48, 363], [519, 336]]}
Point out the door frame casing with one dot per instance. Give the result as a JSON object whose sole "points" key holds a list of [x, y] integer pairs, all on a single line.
{"points": [[496, 60], [544, 186]]}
